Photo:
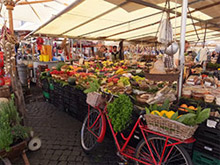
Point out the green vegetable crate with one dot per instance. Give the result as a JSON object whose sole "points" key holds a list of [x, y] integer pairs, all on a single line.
{"points": [[203, 159]]}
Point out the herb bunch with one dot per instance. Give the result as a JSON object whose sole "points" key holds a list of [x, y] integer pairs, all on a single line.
{"points": [[120, 112]]}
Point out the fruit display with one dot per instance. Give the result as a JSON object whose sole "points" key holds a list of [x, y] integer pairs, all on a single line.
{"points": [[186, 108], [115, 78]]}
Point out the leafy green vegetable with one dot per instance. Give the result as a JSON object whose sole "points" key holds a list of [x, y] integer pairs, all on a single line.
{"points": [[94, 86], [185, 118], [165, 106], [120, 111], [203, 115], [190, 110], [193, 119], [147, 110], [175, 115]]}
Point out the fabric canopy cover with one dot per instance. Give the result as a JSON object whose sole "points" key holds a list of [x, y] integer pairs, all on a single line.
{"points": [[31, 16], [130, 20]]}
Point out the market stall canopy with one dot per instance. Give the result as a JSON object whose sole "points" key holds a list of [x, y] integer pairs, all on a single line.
{"points": [[34, 12], [131, 19]]}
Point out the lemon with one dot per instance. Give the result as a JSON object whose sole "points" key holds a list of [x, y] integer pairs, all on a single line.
{"points": [[155, 112], [163, 112], [170, 114]]}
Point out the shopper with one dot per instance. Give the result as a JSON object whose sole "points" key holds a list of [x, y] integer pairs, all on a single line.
{"points": [[115, 54], [176, 56], [218, 59], [101, 52]]}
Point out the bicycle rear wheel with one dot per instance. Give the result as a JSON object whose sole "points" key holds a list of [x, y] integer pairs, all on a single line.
{"points": [[89, 137], [175, 155]]}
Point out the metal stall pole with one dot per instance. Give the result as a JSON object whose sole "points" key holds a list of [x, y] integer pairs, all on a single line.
{"points": [[182, 44], [69, 50], [72, 49]]}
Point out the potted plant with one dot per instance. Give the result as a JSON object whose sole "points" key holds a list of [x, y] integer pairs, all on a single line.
{"points": [[12, 135]]}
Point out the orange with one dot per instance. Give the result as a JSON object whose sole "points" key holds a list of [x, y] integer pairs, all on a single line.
{"points": [[182, 107], [192, 108]]}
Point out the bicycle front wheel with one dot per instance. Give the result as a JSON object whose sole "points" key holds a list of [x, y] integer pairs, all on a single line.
{"points": [[173, 155], [89, 135]]}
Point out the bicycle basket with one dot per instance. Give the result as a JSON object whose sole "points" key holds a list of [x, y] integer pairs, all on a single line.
{"points": [[94, 99], [169, 127]]}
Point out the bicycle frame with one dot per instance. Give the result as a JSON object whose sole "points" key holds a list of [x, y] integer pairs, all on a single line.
{"points": [[124, 149]]}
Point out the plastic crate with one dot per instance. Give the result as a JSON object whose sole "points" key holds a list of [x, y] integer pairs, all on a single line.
{"points": [[203, 159], [66, 100], [208, 134], [73, 110], [208, 147], [66, 91]]}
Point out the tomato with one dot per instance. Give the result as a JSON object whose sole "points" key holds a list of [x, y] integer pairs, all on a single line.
{"points": [[2, 72], [1, 63]]}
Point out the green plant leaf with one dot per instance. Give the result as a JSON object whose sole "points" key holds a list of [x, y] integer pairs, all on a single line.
{"points": [[147, 110], [198, 110], [203, 115], [175, 115], [154, 107], [166, 105], [186, 117], [164, 115], [190, 110]]}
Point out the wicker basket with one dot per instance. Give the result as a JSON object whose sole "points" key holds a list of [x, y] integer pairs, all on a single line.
{"points": [[94, 99], [169, 127], [5, 92]]}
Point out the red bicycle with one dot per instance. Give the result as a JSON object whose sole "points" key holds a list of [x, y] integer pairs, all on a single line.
{"points": [[154, 148]]}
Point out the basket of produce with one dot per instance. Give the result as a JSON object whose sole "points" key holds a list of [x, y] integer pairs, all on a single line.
{"points": [[161, 119], [170, 127]]}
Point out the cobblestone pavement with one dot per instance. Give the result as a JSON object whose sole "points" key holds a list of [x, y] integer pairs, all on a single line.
{"points": [[60, 135]]}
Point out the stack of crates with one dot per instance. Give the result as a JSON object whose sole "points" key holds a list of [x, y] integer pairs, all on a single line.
{"points": [[74, 102], [57, 101], [207, 146], [82, 105], [66, 93], [66, 98]]}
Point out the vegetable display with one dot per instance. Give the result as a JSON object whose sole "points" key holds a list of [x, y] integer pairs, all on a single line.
{"points": [[121, 80], [120, 112], [191, 118]]}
